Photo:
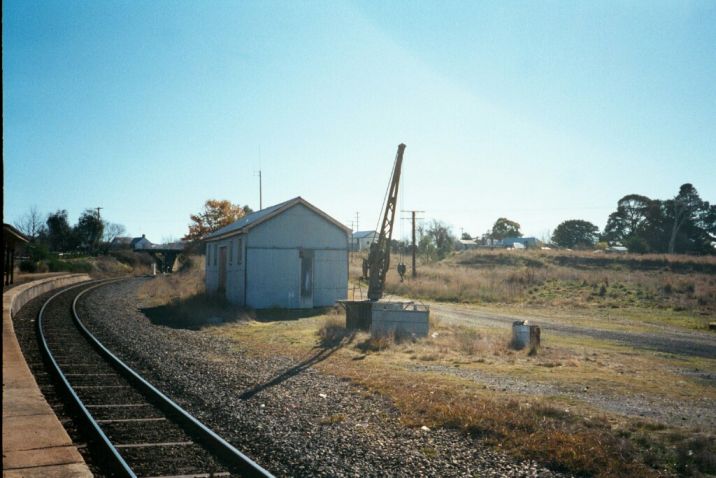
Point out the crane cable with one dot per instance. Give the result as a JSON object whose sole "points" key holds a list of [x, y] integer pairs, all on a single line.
{"points": [[401, 245], [378, 226]]}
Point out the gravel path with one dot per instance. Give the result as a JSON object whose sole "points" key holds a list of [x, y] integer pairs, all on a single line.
{"points": [[668, 340], [293, 420]]}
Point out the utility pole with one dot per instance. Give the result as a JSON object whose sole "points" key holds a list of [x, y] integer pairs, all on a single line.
{"points": [[99, 225], [261, 193], [356, 221], [414, 247]]}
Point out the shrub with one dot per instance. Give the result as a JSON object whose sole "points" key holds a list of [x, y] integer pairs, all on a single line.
{"points": [[332, 332], [56, 265], [28, 266]]}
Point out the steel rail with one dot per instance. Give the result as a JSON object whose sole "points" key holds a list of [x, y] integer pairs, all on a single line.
{"points": [[115, 459], [245, 465]]}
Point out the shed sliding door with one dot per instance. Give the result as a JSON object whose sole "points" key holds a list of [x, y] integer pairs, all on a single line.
{"points": [[306, 287], [222, 270]]}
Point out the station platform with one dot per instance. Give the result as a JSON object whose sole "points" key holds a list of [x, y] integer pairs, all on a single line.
{"points": [[34, 442]]}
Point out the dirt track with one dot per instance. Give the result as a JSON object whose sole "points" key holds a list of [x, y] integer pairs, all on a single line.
{"points": [[668, 340], [700, 413]]}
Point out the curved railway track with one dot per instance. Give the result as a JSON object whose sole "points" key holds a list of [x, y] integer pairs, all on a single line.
{"points": [[142, 433]]}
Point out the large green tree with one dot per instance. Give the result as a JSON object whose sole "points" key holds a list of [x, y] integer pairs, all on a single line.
{"points": [[505, 228], [631, 218], [60, 236], [575, 233], [691, 220], [684, 224], [215, 215], [89, 230]]}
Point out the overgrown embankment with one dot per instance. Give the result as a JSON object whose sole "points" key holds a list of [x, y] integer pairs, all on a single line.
{"points": [[565, 279], [179, 299]]}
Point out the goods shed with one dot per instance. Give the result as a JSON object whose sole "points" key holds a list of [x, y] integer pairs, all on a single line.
{"points": [[291, 255]]}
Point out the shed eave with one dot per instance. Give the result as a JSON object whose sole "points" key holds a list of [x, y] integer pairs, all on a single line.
{"points": [[286, 206]]}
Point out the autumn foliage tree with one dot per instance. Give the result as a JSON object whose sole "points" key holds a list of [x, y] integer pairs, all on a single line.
{"points": [[215, 215]]}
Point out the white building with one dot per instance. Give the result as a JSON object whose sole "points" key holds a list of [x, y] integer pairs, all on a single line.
{"points": [[363, 239], [291, 255]]}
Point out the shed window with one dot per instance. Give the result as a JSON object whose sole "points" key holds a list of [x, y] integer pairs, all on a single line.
{"points": [[231, 251]]}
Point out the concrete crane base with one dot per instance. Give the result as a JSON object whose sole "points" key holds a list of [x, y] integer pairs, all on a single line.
{"points": [[383, 318]]}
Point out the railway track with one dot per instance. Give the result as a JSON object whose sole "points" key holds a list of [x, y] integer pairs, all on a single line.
{"points": [[141, 432]]}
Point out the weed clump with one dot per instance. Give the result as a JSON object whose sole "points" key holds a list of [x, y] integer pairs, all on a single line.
{"points": [[332, 332]]}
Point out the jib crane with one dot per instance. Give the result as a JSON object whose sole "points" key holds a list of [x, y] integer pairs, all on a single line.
{"points": [[378, 260]]}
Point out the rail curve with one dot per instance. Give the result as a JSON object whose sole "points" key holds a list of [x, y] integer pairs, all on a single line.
{"points": [[141, 431]]}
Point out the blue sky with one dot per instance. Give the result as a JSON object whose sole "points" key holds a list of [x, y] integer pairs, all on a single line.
{"points": [[537, 111]]}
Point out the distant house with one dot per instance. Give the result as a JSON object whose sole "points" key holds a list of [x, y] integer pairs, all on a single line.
{"points": [[120, 243], [363, 239], [140, 243], [524, 242], [464, 244], [488, 242], [291, 255]]}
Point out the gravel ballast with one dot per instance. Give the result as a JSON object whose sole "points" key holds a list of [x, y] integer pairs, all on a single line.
{"points": [[295, 421]]}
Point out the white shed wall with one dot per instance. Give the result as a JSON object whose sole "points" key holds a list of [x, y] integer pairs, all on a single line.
{"points": [[274, 263], [271, 262], [236, 261]]}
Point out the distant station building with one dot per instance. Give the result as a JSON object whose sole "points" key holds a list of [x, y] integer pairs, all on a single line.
{"points": [[363, 239], [291, 255]]}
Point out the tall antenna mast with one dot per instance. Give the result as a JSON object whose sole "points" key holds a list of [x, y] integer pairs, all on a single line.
{"points": [[261, 193]]}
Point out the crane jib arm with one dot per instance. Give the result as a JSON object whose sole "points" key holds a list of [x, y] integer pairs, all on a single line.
{"points": [[379, 257]]}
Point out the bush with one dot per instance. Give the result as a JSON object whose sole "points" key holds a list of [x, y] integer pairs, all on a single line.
{"points": [[637, 245], [133, 259], [56, 265], [38, 252], [28, 266], [332, 332]]}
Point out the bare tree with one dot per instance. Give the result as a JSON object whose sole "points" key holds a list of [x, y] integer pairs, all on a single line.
{"points": [[112, 231], [31, 223]]}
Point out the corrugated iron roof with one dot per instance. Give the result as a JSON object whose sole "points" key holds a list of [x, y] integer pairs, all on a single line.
{"points": [[255, 218], [362, 234]]}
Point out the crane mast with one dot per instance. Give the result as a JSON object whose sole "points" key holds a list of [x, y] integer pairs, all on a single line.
{"points": [[379, 256]]}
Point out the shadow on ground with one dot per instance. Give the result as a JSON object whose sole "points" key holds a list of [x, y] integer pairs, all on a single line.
{"points": [[326, 347], [195, 312], [279, 315]]}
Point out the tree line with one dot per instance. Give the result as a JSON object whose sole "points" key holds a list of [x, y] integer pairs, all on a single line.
{"points": [[684, 224], [53, 232]]}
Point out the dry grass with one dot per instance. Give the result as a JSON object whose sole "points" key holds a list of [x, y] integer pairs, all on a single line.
{"points": [[172, 288], [332, 332], [560, 432], [179, 299], [681, 284]]}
